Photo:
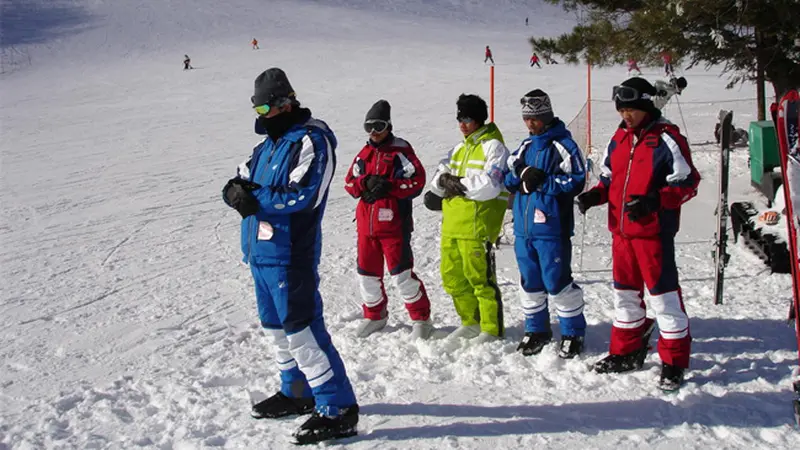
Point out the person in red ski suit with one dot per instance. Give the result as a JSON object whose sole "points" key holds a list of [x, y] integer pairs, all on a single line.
{"points": [[647, 174], [535, 60], [667, 58], [488, 55], [633, 67], [386, 175]]}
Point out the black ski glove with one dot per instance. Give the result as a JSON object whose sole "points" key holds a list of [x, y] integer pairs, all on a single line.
{"points": [[368, 197], [238, 195], [641, 206], [452, 185], [377, 185], [588, 199], [432, 201], [531, 178]]}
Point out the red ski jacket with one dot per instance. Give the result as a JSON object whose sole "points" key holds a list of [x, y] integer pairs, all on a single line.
{"points": [[394, 159], [658, 160]]}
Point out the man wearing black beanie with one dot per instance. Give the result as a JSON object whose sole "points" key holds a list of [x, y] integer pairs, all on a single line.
{"points": [[470, 180], [281, 192], [647, 174], [385, 176]]}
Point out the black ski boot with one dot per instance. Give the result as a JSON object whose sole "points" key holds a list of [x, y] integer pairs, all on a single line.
{"points": [[280, 405], [533, 343], [571, 346], [320, 428], [671, 378], [631, 361]]}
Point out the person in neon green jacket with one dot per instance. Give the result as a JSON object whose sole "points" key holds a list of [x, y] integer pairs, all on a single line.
{"points": [[470, 182]]}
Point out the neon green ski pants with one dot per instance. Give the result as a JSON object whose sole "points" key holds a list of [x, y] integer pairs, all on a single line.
{"points": [[468, 275]]}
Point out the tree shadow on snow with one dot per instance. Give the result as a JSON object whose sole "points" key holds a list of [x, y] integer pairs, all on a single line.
{"points": [[738, 409], [33, 22]]}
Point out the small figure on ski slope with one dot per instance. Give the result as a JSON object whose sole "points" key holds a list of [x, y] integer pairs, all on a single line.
{"points": [[187, 62], [633, 68], [526, 21], [548, 58], [385, 176], [545, 174], [535, 60], [470, 181], [488, 55], [647, 174], [254, 43], [666, 56], [281, 191]]}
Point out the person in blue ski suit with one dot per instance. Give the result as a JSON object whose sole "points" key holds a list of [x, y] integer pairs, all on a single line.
{"points": [[281, 192], [545, 173]]}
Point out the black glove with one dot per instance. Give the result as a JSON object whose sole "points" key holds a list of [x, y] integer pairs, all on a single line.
{"points": [[531, 178], [238, 194], [432, 201], [642, 205], [452, 185], [588, 199], [377, 185], [368, 197]]}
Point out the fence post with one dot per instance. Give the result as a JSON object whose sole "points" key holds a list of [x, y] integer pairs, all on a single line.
{"points": [[589, 107], [491, 93]]}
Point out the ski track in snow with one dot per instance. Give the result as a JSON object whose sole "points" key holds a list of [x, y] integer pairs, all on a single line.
{"points": [[128, 321]]}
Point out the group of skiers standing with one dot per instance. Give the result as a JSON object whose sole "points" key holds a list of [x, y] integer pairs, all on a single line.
{"points": [[282, 189]]}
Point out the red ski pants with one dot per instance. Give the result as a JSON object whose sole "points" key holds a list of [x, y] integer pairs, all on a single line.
{"points": [[396, 251], [649, 262]]}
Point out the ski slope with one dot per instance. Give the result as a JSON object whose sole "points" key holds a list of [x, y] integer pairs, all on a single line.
{"points": [[128, 321]]}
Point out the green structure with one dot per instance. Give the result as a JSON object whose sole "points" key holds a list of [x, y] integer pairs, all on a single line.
{"points": [[764, 158]]}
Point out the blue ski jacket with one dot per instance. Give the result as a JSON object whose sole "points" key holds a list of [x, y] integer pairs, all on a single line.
{"points": [[294, 173], [547, 212]]}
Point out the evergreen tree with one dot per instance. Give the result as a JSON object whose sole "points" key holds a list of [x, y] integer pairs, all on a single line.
{"points": [[740, 35]]}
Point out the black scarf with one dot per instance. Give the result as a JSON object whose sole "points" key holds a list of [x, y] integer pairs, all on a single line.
{"points": [[276, 127]]}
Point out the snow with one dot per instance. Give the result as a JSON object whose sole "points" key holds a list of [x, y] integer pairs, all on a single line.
{"points": [[127, 320]]}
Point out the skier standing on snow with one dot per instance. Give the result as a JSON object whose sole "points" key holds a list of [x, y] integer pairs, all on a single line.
{"points": [[281, 192], [667, 58], [647, 174], [386, 175], [488, 55], [254, 42], [187, 62], [535, 60], [545, 173], [633, 68], [470, 180]]}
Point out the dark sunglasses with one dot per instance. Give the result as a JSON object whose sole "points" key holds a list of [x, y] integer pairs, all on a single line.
{"points": [[376, 126]]}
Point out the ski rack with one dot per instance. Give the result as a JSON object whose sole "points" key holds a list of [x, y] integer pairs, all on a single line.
{"points": [[765, 246]]}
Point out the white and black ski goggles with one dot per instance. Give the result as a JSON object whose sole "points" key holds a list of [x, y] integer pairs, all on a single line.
{"points": [[628, 94], [376, 125]]}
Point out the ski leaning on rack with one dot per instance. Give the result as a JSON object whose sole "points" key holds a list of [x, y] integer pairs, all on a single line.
{"points": [[788, 126], [721, 236]]}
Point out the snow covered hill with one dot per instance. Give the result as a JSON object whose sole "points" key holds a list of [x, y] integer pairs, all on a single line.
{"points": [[126, 319]]}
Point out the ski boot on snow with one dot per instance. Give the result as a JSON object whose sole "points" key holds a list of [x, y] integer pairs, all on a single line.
{"points": [[367, 326], [533, 343], [570, 347], [320, 427], [671, 378], [421, 329], [484, 338], [629, 361], [280, 405], [465, 332]]}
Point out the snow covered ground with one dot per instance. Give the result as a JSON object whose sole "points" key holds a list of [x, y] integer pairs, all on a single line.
{"points": [[127, 320]]}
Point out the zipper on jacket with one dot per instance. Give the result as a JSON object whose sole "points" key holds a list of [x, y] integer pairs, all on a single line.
{"points": [[372, 206], [530, 196], [625, 186]]}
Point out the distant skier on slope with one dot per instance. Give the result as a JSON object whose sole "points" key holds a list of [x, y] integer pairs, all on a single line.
{"points": [[633, 68], [545, 174], [187, 62], [385, 176], [647, 174], [254, 43], [535, 60], [488, 55]]}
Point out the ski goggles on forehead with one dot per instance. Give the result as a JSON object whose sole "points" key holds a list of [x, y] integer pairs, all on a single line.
{"points": [[376, 126], [627, 94], [534, 102]]}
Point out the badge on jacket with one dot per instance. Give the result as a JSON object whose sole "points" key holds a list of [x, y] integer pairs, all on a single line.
{"points": [[539, 216], [265, 231]]}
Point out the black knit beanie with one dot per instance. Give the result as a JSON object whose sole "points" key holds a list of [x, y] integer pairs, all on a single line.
{"points": [[646, 92], [381, 110], [472, 106], [272, 86]]}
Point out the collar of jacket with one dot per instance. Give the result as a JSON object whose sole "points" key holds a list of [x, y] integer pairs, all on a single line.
{"points": [[478, 134], [385, 144], [555, 130], [279, 125]]}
